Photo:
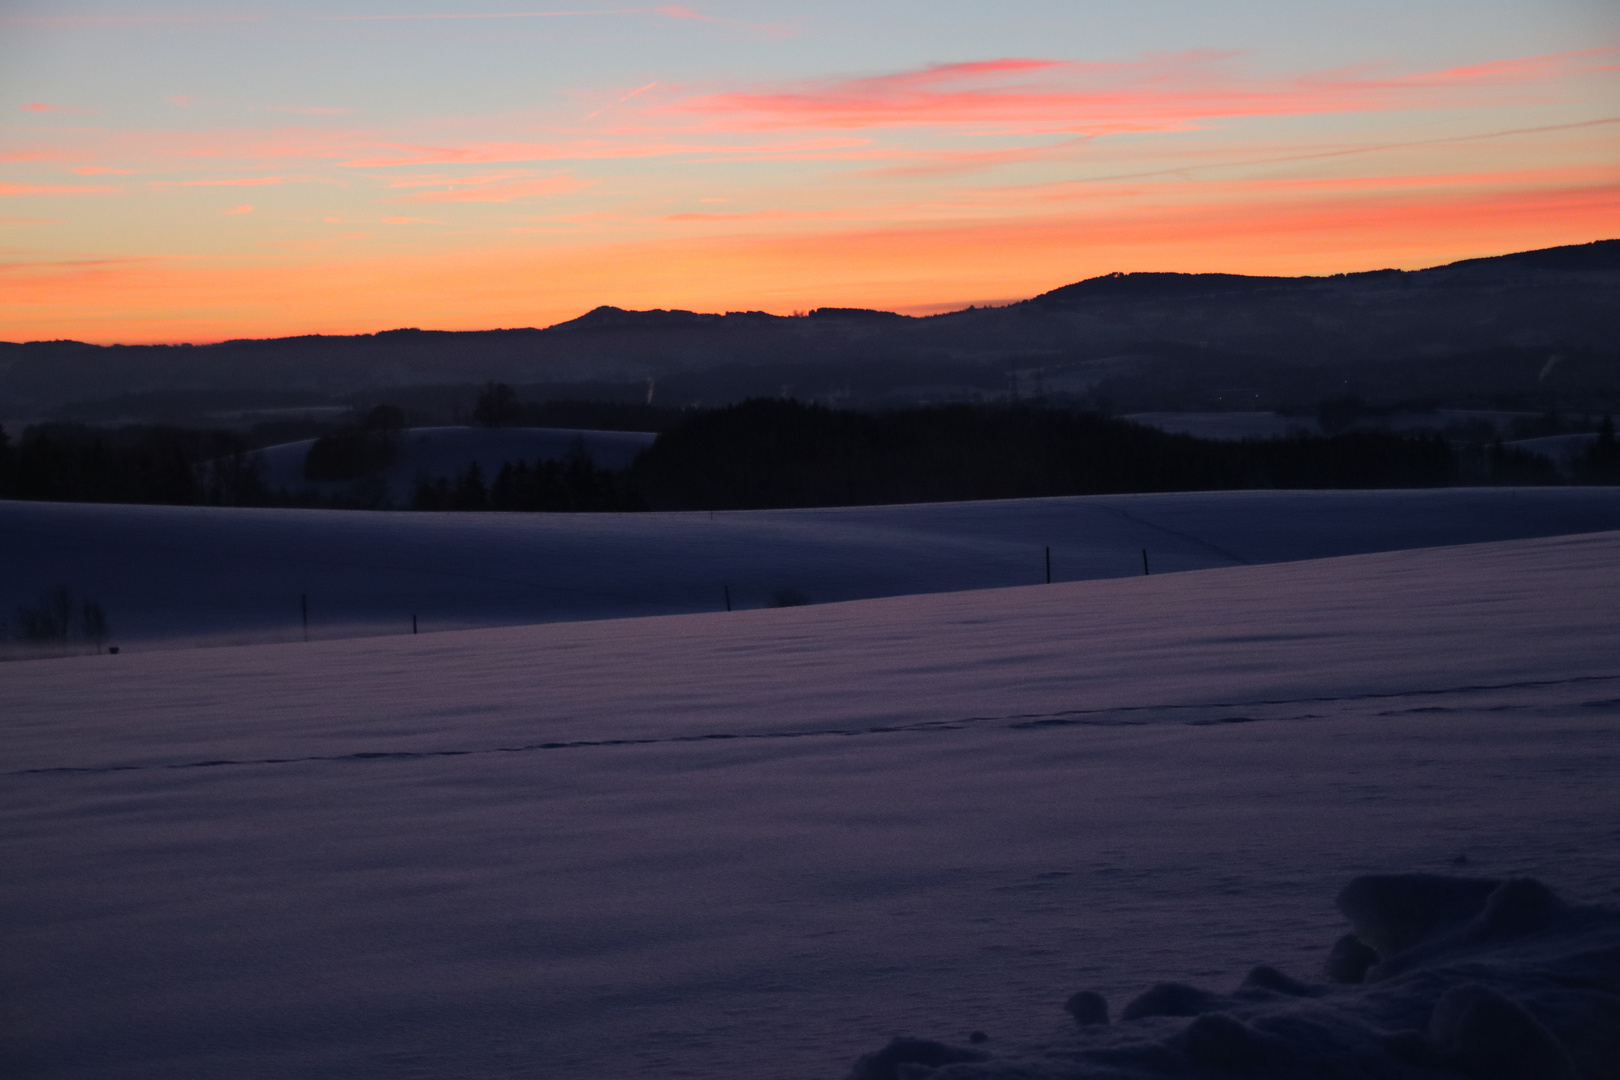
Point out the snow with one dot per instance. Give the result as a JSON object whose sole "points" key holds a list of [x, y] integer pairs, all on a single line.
{"points": [[1560, 449], [447, 451], [762, 843], [171, 576]]}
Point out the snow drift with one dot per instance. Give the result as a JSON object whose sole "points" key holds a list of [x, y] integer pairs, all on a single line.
{"points": [[1492, 979]]}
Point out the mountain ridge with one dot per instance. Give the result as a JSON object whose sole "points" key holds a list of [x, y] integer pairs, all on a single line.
{"points": [[1282, 337]]}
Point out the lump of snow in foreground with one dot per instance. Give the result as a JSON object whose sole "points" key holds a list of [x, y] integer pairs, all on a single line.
{"points": [[1496, 980]]}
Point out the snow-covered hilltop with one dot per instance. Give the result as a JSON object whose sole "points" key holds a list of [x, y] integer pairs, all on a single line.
{"points": [[177, 575]]}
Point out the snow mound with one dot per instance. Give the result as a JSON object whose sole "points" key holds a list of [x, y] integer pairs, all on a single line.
{"points": [[1491, 979]]}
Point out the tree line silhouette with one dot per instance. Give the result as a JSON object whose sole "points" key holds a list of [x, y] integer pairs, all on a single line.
{"points": [[767, 453], [777, 453], [571, 485], [136, 464]]}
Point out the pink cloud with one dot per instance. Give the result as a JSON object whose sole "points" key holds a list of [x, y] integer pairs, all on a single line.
{"points": [[247, 181], [635, 142], [47, 107], [499, 190], [243, 209], [55, 189], [410, 221], [1154, 94], [443, 180], [675, 11], [101, 170]]}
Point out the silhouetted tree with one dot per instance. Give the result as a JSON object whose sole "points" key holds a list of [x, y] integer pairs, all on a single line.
{"points": [[59, 615], [5, 464], [1600, 464], [497, 406], [384, 418], [353, 452], [470, 493], [137, 464]]}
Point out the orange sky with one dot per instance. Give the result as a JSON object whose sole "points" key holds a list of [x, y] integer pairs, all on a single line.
{"points": [[222, 209]]}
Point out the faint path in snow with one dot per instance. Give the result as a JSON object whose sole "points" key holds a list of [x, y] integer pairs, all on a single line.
{"points": [[1208, 714]]}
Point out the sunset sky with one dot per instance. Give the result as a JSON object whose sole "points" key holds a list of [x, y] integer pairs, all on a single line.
{"points": [[174, 171]]}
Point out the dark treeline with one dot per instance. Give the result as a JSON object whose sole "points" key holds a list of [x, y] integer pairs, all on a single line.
{"points": [[776, 453], [353, 451], [571, 485], [140, 464], [768, 453]]}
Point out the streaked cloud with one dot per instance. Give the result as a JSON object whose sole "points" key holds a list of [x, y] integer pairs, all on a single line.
{"points": [[310, 110], [496, 189], [1163, 93], [675, 12], [241, 181], [48, 107], [9, 189]]}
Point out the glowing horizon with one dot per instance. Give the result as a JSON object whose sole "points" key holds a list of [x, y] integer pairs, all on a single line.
{"points": [[198, 177]]}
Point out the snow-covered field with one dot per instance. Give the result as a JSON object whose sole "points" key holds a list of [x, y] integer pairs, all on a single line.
{"points": [[760, 843], [179, 575]]}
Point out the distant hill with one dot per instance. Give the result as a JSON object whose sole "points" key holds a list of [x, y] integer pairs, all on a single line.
{"points": [[1533, 329]]}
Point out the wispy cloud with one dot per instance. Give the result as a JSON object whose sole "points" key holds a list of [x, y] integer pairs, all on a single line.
{"points": [[1154, 94], [69, 21], [634, 142], [680, 12], [243, 209], [621, 100], [444, 180], [48, 107], [492, 189], [8, 189], [245, 181], [310, 110], [668, 11], [101, 170], [444, 16]]}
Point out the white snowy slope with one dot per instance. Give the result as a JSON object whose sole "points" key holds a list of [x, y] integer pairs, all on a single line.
{"points": [[178, 575], [760, 844]]}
